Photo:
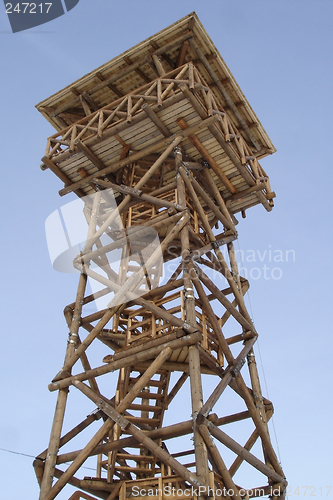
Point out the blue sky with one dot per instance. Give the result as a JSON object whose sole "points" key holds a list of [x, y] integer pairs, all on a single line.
{"points": [[280, 53]]}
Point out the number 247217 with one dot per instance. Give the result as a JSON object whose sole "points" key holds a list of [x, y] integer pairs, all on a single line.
{"points": [[28, 8]]}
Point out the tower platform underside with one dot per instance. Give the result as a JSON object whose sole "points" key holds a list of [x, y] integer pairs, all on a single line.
{"points": [[162, 149]]}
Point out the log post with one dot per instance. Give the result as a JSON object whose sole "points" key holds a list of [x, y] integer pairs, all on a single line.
{"points": [[52, 452], [194, 357]]}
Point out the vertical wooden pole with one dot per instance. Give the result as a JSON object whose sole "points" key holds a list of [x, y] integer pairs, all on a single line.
{"points": [[224, 267], [201, 456], [59, 414], [234, 266], [53, 448]]}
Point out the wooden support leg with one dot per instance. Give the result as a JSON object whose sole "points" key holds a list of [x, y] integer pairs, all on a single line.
{"points": [[233, 265], [79, 460], [220, 201], [256, 388], [219, 255], [201, 457], [53, 447], [84, 359], [84, 344]]}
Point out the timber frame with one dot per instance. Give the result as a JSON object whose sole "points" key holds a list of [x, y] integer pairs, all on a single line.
{"points": [[165, 131]]}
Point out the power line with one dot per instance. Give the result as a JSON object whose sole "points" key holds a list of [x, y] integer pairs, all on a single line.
{"points": [[17, 453], [33, 456], [261, 362]]}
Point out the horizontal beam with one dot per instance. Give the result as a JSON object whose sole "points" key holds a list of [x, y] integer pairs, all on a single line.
{"points": [[165, 433], [127, 361], [138, 194]]}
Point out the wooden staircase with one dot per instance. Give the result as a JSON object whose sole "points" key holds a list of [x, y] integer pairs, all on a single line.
{"points": [[146, 412]]}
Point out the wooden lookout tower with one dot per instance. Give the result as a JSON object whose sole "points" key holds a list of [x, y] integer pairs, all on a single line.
{"points": [[162, 150]]}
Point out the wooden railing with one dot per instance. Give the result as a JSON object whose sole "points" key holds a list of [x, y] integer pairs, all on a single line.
{"points": [[99, 124]]}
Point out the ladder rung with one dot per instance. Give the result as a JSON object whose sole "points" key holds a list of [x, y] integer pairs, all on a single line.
{"points": [[150, 395], [152, 383], [138, 470], [139, 323], [153, 409], [192, 464], [156, 383], [137, 458], [133, 268], [142, 420], [183, 453]]}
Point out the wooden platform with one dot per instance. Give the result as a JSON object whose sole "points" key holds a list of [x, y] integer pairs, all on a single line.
{"points": [[132, 106]]}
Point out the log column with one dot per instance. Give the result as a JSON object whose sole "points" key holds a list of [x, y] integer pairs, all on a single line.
{"points": [[253, 371], [201, 457], [73, 337], [59, 414]]}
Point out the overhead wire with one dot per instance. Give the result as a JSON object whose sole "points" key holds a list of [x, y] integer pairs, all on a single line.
{"points": [[260, 358], [33, 456]]}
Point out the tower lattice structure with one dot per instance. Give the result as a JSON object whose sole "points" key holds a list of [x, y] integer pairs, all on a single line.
{"points": [[162, 149]]}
